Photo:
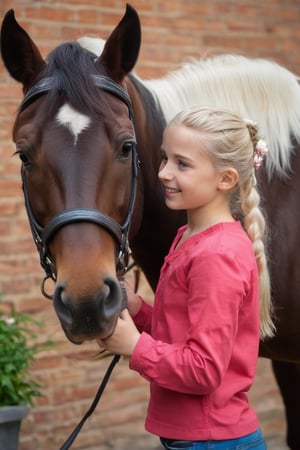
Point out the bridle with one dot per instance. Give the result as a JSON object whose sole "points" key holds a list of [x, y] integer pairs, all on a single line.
{"points": [[120, 233]]}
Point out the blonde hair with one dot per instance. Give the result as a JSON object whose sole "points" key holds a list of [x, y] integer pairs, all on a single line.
{"points": [[231, 142]]}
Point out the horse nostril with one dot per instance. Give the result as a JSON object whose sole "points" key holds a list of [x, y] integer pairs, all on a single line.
{"points": [[111, 306], [62, 311]]}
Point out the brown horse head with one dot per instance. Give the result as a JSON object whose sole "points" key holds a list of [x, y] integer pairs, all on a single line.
{"points": [[75, 137]]}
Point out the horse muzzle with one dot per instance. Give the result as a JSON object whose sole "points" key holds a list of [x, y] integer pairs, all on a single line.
{"points": [[91, 316]]}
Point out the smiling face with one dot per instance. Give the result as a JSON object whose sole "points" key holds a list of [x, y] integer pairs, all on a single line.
{"points": [[188, 175]]}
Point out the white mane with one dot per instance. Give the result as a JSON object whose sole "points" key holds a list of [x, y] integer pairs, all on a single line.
{"points": [[256, 89]]}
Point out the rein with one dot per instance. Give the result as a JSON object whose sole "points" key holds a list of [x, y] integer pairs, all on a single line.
{"points": [[67, 444], [120, 233]]}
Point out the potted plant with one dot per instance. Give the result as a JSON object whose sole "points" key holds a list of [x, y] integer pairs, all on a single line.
{"points": [[18, 347]]}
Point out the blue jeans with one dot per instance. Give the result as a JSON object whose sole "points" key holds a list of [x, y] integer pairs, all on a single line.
{"points": [[254, 441]]}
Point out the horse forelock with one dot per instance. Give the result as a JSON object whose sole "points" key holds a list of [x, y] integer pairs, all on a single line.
{"points": [[72, 67], [256, 89]]}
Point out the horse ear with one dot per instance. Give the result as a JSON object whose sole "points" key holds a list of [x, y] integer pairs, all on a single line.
{"points": [[19, 53], [122, 47]]}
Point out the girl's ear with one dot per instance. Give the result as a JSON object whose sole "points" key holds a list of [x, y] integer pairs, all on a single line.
{"points": [[228, 179]]}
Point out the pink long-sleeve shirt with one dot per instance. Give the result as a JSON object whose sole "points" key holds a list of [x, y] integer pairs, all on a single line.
{"points": [[199, 344]]}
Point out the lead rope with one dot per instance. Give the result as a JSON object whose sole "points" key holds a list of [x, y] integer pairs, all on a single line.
{"points": [[103, 384], [100, 391]]}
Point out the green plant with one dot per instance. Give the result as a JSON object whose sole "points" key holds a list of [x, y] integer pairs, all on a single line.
{"points": [[18, 348]]}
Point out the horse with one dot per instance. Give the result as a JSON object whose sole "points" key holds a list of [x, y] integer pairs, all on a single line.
{"points": [[88, 133]]}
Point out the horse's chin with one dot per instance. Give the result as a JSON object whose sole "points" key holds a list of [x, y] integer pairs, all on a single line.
{"points": [[87, 337]]}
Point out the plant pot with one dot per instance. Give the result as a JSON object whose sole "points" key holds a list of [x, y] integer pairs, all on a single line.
{"points": [[10, 422]]}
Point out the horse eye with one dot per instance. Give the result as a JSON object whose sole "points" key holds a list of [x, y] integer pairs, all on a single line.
{"points": [[23, 157], [126, 149]]}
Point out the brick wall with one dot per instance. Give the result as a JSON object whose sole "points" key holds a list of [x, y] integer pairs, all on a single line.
{"points": [[173, 31]]}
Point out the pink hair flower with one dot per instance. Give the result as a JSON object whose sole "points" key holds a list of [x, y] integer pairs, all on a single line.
{"points": [[259, 153]]}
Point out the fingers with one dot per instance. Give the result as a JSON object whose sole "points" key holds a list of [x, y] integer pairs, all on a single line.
{"points": [[124, 338]]}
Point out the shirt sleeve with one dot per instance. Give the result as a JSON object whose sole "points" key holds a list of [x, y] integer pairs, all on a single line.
{"points": [[216, 288]]}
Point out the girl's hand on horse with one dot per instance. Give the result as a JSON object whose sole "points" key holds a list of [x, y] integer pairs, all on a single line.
{"points": [[125, 336], [134, 301]]}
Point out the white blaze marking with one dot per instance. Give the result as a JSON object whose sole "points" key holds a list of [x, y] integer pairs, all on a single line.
{"points": [[75, 121]]}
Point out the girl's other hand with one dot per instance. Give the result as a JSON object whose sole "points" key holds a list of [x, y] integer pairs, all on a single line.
{"points": [[124, 338], [134, 301]]}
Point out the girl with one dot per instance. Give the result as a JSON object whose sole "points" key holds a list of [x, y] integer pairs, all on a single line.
{"points": [[198, 345]]}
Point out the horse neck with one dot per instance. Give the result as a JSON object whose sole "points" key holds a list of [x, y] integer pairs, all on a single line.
{"points": [[158, 224], [149, 126]]}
